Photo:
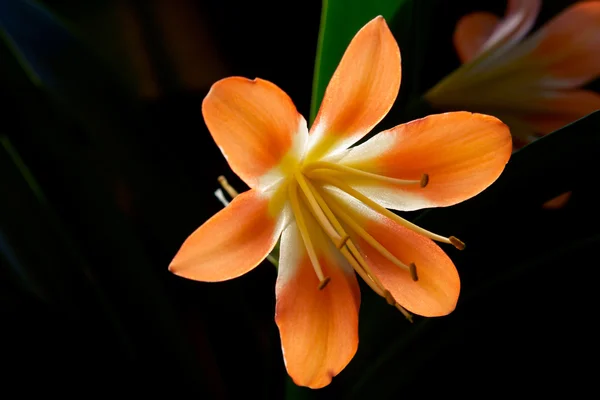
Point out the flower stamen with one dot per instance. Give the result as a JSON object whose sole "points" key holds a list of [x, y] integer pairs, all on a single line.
{"points": [[350, 252], [317, 212], [404, 312], [369, 281], [312, 255], [353, 171], [360, 231], [385, 212], [227, 187]]}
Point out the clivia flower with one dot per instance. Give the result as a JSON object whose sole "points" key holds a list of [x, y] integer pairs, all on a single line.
{"points": [[329, 202], [535, 83]]}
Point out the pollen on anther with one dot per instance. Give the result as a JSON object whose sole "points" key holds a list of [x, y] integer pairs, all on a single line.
{"points": [[424, 180], [459, 244], [413, 271], [324, 283]]}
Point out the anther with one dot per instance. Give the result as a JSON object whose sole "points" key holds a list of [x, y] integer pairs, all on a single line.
{"points": [[424, 180], [324, 283], [389, 298], [459, 244], [413, 271], [228, 188]]}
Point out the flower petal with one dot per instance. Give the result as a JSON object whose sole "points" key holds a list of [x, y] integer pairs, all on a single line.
{"points": [[437, 289], [463, 153], [568, 45], [519, 19], [233, 241], [471, 33], [318, 328], [556, 109], [558, 202], [523, 133], [361, 91], [257, 127]]}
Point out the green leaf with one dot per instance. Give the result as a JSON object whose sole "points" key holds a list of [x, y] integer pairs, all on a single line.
{"points": [[340, 21]]}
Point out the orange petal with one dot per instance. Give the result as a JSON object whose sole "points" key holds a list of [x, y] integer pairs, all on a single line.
{"points": [[256, 126], [519, 19], [568, 45], [559, 108], [361, 91], [463, 153], [233, 241], [481, 31], [558, 202], [523, 133], [318, 328], [437, 289], [471, 33]]}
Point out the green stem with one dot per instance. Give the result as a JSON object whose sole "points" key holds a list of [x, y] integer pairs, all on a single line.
{"points": [[316, 96]]}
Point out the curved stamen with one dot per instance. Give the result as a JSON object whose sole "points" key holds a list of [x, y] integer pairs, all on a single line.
{"points": [[312, 255], [384, 211], [404, 312], [317, 212], [337, 209], [349, 170], [350, 251], [227, 187]]}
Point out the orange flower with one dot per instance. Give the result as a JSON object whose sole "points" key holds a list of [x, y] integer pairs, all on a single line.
{"points": [[533, 84], [327, 201]]}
